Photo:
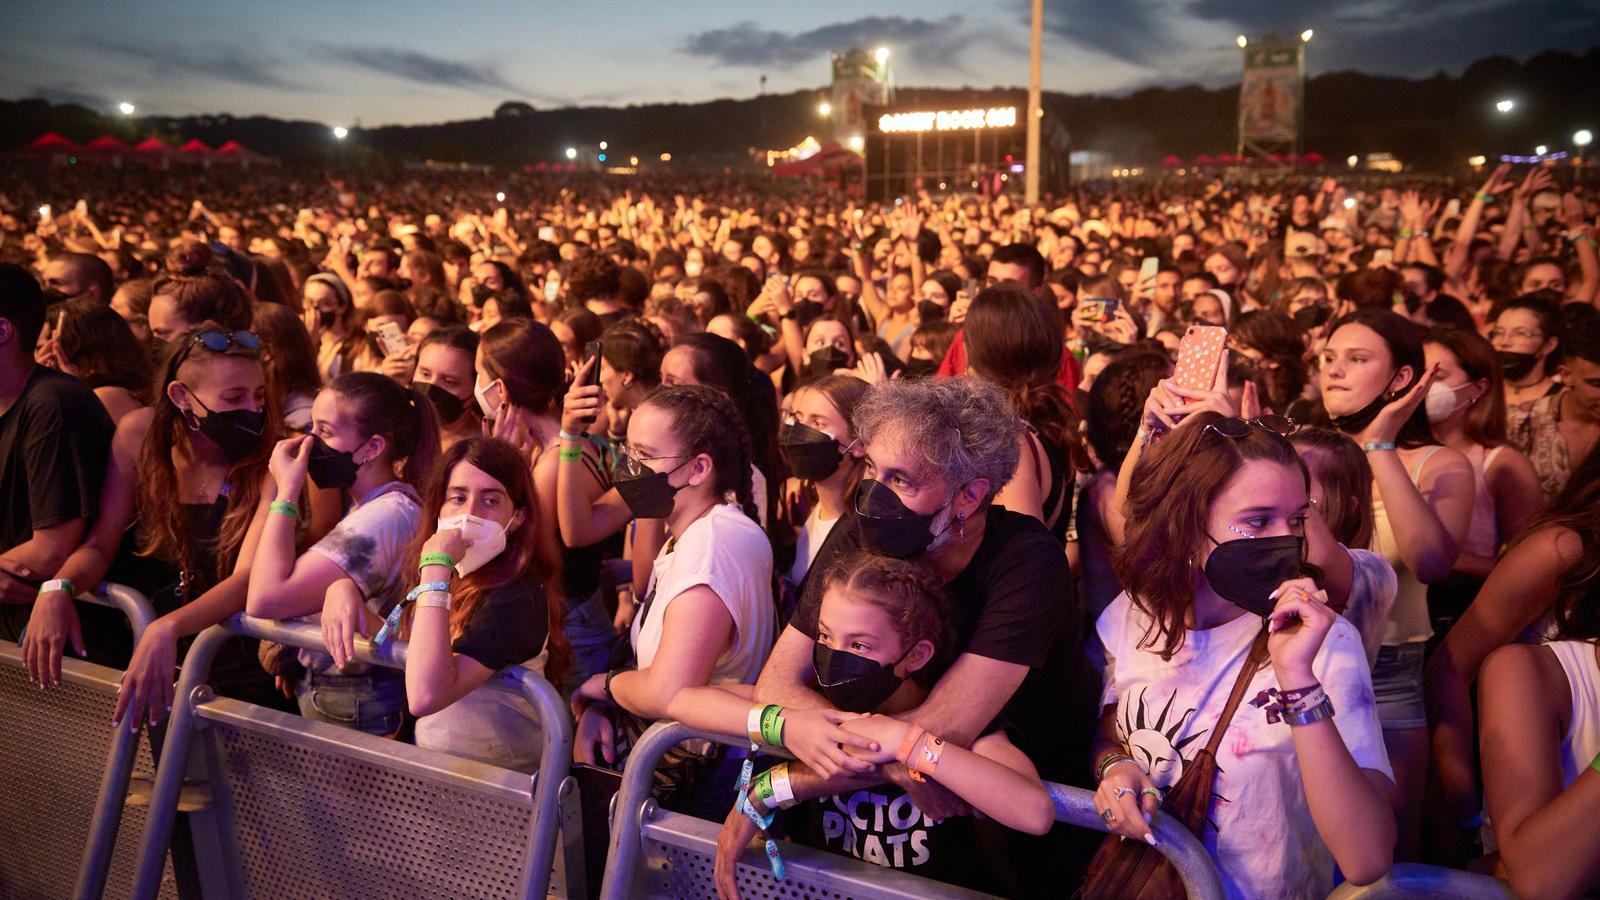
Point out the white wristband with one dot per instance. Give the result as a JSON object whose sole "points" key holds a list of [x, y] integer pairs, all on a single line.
{"points": [[782, 790], [56, 584], [752, 725], [439, 599]]}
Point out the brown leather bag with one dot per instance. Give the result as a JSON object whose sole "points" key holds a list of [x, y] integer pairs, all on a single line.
{"points": [[1134, 869]]}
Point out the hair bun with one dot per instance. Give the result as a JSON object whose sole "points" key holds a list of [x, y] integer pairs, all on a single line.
{"points": [[189, 258]]}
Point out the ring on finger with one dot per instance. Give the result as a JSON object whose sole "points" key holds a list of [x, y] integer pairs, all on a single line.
{"points": [[1120, 792], [1107, 816], [1153, 792]]}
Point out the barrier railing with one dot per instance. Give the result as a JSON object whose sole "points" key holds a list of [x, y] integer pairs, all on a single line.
{"points": [[197, 709], [67, 770], [688, 845], [1412, 880]]}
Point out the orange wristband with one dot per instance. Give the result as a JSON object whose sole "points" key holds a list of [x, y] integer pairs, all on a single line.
{"points": [[926, 757], [907, 746]]}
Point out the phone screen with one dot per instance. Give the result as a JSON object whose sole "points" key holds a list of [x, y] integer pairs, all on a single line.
{"points": [[1147, 273], [591, 351]]}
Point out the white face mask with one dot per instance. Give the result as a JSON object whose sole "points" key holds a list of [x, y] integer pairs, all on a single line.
{"points": [[484, 538], [490, 397], [1441, 402]]}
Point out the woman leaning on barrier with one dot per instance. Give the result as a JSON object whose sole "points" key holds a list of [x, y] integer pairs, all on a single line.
{"points": [[190, 474]]}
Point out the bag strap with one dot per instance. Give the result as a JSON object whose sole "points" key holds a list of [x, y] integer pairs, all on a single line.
{"points": [[1252, 662]]}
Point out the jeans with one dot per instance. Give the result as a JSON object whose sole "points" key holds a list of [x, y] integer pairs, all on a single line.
{"points": [[588, 630], [1397, 686], [374, 703]]}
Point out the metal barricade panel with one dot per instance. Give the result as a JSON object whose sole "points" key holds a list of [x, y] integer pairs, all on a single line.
{"points": [[1409, 881], [53, 747], [311, 818], [679, 852]]}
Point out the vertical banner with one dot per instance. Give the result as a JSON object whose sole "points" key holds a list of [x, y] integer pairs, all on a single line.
{"points": [[857, 83], [1269, 93]]}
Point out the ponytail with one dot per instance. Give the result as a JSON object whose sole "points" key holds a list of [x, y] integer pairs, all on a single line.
{"points": [[402, 415]]}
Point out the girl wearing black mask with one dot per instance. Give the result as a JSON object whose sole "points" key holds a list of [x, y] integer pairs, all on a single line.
{"points": [[881, 621], [445, 376], [191, 470], [1374, 380], [1212, 567], [707, 615], [330, 315], [1527, 341], [374, 442], [819, 445]]}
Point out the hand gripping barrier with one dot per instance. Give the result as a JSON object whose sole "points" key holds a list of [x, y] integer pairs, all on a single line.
{"points": [[358, 803], [656, 854], [51, 750]]}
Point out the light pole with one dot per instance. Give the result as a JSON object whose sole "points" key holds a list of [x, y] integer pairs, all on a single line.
{"points": [[125, 108], [1030, 175], [1581, 139]]}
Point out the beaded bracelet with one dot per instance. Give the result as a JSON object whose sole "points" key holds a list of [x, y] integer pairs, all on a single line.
{"points": [[1377, 446]]}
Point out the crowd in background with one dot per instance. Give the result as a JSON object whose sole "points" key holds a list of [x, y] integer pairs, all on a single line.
{"points": [[944, 496]]}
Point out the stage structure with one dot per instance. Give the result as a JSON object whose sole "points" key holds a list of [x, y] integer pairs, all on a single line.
{"points": [[981, 148], [1272, 96]]}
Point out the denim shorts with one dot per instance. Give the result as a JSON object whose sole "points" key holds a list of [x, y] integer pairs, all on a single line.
{"points": [[1397, 686], [374, 703]]}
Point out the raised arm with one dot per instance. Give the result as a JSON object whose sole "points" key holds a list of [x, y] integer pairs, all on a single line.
{"points": [[283, 586], [586, 514]]}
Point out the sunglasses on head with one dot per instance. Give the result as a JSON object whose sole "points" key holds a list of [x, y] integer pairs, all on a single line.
{"points": [[1236, 428], [218, 342]]}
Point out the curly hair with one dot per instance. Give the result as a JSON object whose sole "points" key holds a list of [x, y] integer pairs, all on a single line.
{"points": [[592, 276], [1116, 403], [961, 429]]}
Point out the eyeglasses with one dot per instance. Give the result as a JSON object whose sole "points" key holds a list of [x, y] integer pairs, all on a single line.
{"points": [[1521, 334], [633, 464], [218, 342], [1237, 428]]}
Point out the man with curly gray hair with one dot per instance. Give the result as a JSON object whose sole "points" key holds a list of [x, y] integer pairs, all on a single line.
{"points": [[937, 453]]}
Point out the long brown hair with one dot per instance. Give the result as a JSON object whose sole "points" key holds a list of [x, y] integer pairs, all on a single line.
{"points": [[1486, 421], [1341, 466], [1169, 510], [527, 358], [525, 559], [160, 513]]}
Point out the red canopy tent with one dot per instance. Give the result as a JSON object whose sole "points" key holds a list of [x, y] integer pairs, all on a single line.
{"points": [[49, 145], [1313, 158], [830, 160], [1171, 161], [237, 153], [106, 147], [1204, 160]]}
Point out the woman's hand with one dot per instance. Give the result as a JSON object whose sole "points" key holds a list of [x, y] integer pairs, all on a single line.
{"points": [[816, 738], [1386, 425], [399, 366], [736, 834], [511, 428], [1297, 627], [1499, 181], [1168, 404], [51, 626], [145, 694], [449, 542], [343, 617], [595, 731], [593, 690], [1131, 798], [582, 402], [869, 368], [288, 465]]}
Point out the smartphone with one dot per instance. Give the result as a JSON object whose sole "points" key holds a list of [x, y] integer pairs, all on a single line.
{"points": [[44, 213], [591, 351], [391, 339], [1383, 256], [552, 287], [1147, 274], [1099, 309], [547, 233], [1199, 355], [1453, 208]]}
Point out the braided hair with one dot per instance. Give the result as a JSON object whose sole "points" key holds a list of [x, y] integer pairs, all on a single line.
{"points": [[703, 421]]}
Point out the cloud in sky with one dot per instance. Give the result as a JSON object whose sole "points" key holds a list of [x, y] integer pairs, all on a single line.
{"points": [[748, 44], [424, 68], [232, 64]]}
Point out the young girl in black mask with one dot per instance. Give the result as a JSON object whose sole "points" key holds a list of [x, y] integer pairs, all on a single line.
{"points": [[820, 447], [881, 621]]}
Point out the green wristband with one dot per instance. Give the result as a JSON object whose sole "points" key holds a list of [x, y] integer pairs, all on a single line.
{"points": [[772, 726], [1483, 198], [761, 791], [1596, 764], [574, 454], [436, 559], [284, 508]]}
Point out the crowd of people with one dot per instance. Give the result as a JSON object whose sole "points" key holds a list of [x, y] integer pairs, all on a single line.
{"points": [[1272, 504]]}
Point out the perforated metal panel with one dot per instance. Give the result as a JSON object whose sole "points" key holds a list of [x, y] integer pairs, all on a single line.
{"points": [[53, 747], [308, 822], [679, 852]]}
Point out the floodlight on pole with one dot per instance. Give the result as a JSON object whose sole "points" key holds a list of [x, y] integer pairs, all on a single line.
{"points": [[1242, 41], [340, 132], [604, 145], [1506, 105], [824, 109], [1540, 150], [572, 153], [858, 143], [125, 108], [881, 55], [1583, 137], [1305, 36]]}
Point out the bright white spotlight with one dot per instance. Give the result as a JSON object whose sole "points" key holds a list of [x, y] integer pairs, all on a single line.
{"points": [[125, 108], [858, 143], [824, 109], [1583, 137], [340, 132], [500, 197], [1242, 41], [881, 55], [603, 145], [1506, 106], [1540, 150], [572, 153], [1305, 36]]}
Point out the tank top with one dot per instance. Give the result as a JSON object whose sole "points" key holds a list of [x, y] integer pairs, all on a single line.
{"points": [[1483, 539], [1408, 618], [1581, 743], [1053, 466]]}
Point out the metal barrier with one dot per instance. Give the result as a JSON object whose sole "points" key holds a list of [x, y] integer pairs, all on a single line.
{"points": [[67, 772], [1409, 880], [360, 812], [677, 851]]}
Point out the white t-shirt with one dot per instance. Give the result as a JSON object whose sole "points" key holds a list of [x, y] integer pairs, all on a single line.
{"points": [[368, 545], [1263, 839], [808, 542], [727, 552]]}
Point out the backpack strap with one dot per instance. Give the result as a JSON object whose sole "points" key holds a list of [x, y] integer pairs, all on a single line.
{"points": [[1252, 662]]}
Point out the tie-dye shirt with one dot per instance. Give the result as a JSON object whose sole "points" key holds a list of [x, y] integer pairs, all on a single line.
{"points": [[1260, 830]]}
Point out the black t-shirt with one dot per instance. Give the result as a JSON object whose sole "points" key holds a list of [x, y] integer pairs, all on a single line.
{"points": [[1014, 602], [54, 442], [508, 628]]}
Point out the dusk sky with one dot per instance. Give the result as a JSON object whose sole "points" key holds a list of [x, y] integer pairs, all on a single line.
{"points": [[404, 61]]}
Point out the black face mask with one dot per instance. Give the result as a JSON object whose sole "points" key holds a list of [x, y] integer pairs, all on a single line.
{"points": [[824, 361], [236, 431], [326, 319], [648, 495], [447, 405], [1516, 366], [1309, 317], [812, 455], [852, 682], [807, 311], [331, 469], [888, 528], [917, 367], [481, 294], [929, 311], [1357, 421], [1246, 571]]}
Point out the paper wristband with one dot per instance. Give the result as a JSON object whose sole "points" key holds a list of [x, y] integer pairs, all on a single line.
{"points": [[772, 726], [436, 559]]}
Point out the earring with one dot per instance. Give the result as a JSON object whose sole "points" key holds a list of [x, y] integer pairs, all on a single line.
{"points": [[961, 526], [191, 420]]}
